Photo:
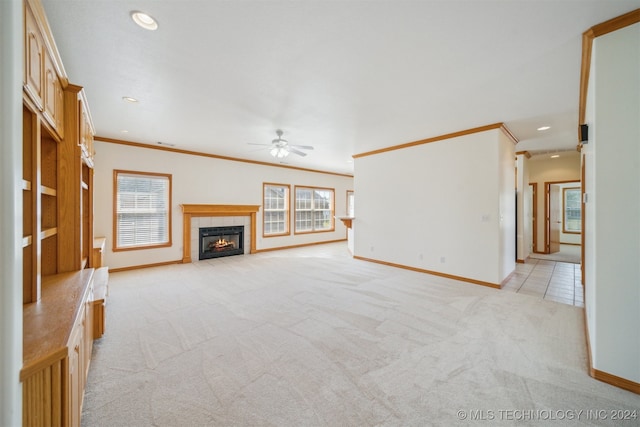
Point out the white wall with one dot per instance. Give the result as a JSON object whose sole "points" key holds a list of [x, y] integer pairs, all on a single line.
{"points": [[543, 169], [590, 265], [202, 180], [524, 212], [446, 206], [507, 209], [613, 208], [11, 47]]}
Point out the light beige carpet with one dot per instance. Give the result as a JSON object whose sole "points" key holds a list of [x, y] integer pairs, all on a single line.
{"points": [[312, 337], [567, 253]]}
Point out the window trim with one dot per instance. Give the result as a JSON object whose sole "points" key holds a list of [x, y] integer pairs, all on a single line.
{"points": [[564, 210], [114, 245], [333, 209], [287, 211]]}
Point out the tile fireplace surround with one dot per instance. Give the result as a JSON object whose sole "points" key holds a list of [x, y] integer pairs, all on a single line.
{"points": [[213, 216]]}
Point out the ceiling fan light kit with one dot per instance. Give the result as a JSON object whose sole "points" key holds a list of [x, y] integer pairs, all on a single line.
{"points": [[280, 148], [279, 152]]}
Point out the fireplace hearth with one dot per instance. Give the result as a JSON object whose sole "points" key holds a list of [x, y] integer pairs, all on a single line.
{"points": [[221, 241]]}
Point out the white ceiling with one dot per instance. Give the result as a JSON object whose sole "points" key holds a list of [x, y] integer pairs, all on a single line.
{"points": [[346, 76]]}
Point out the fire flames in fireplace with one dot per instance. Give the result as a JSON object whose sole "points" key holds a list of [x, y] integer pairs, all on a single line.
{"points": [[221, 245], [221, 241]]}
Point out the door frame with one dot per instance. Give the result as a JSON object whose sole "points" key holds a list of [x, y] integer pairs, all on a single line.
{"points": [[534, 217], [547, 231], [583, 225]]}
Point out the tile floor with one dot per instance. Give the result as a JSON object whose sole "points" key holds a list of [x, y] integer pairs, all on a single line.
{"points": [[551, 280]]}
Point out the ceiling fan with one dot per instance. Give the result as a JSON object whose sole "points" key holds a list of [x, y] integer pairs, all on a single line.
{"points": [[280, 148]]}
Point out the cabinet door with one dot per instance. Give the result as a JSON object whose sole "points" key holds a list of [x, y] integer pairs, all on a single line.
{"points": [[87, 335], [53, 101], [74, 392], [34, 58], [86, 136], [59, 108]]}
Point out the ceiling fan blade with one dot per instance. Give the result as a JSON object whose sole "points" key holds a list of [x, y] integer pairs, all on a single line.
{"points": [[298, 152], [304, 147], [255, 143]]}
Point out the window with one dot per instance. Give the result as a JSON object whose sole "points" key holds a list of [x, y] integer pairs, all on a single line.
{"points": [[275, 211], [314, 209], [350, 204], [572, 221], [142, 210]]}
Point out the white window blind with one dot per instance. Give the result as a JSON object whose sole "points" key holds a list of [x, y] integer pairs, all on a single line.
{"points": [[143, 213]]}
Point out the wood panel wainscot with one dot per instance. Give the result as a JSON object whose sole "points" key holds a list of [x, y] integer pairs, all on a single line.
{"points": [[58, 340]]}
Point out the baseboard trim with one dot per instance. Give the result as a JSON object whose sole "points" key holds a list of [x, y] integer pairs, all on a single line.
{"points": [[279, 248], [606, 377], [506, 279], [520, 261], [617, 381], [588, 341], [435, 273], [138, 267]]}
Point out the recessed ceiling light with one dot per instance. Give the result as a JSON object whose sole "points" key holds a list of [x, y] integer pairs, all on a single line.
{"points": [[143, 20], [555, 156], [544, 127], [124, 131], [129, 99]]}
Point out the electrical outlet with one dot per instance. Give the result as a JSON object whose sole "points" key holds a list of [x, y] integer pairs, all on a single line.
{"points": [[443, 259]]}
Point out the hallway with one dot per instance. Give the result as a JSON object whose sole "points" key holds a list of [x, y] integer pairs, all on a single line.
{"points": [[551, 280]]}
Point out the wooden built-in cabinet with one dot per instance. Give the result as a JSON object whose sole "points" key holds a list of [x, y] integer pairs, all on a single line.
{"points": [[34, 57], [58, 275], [58, 340], [53, 97]]}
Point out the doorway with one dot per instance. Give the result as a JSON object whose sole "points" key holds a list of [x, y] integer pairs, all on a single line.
{"points": [[533, 204], [563, 229]]}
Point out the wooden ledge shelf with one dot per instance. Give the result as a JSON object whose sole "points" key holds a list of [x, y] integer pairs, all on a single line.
{"points": [[48, 232], [48, 191], [346, 220], [193, 210]]}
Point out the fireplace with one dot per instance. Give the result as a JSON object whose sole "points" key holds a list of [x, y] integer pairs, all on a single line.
{"points": [[221, 241]]}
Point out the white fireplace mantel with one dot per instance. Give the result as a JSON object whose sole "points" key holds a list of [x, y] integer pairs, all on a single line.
{"points": [[189, 211]]}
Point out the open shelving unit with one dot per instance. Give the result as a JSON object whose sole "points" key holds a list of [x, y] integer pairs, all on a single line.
{"points": [[60, 313]]}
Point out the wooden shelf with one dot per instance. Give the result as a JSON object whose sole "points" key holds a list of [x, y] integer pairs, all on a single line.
{"points": [[47, 325], [48, 233], [346, 220], [57, 206], [48, 191]]}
